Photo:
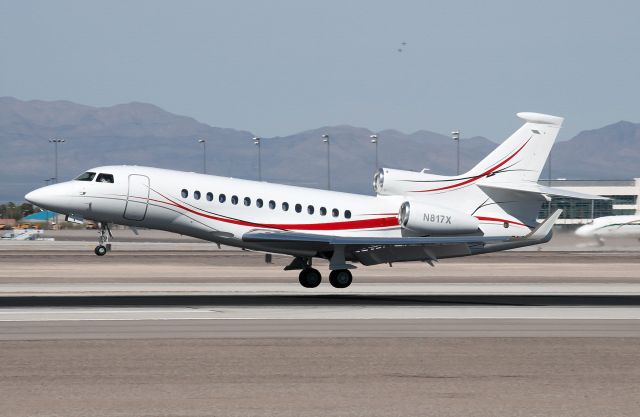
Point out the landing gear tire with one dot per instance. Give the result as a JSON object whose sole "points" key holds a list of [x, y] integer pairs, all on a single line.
{"points": [[340, 278], [103, 239], [100, 250], [310, 278]]}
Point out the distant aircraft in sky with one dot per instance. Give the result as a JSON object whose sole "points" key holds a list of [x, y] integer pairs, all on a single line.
{"points": [[415, 216], [611, 226]]}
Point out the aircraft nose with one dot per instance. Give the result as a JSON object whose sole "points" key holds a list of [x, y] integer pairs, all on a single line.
{"points": [[36, 196], [52, 197], [583, 230]]}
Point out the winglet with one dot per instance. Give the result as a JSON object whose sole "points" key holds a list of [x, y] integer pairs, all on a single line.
{"points": [[544, 228]]}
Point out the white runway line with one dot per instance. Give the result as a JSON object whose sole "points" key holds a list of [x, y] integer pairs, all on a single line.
{"points": [[270, 289], [318, 313]]}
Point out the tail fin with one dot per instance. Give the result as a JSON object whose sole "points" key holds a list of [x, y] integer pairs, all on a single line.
{"points": [[522, 156], [501, 190]]}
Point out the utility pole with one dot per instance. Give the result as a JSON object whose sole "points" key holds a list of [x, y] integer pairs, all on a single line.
{"points": [[204, 155], [374, 140], [256, 141], [325, 139], [455, 135]]}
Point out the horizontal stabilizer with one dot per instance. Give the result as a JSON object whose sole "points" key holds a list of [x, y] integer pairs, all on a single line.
{"points": [[534, 187], [539, 118]]}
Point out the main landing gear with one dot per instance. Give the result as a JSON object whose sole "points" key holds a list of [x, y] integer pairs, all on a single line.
{"points": [[104, 234], [340, 278], [310, 277]]}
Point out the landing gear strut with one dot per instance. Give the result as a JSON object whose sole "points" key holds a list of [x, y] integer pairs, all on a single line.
{"points": [[309, 277], [340, 276], [104, 235]]}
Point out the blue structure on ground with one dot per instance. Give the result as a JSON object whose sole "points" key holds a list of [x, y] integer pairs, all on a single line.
{"points": [[41, 216]]}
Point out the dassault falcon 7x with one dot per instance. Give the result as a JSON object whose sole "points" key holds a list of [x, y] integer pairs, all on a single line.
{"points": [[415, 216]]}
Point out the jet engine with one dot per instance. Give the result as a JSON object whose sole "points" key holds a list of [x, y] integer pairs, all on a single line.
{"points": [[388, 181], [429, 219]]}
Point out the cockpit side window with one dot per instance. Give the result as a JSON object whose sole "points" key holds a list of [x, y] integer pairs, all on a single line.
{"points": [[87, 176], [105, 178]]}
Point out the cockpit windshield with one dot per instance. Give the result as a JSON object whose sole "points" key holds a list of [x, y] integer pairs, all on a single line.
{"points": [[105, 178], [87, 176]]}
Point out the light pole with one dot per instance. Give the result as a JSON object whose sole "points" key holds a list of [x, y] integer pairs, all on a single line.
{"points": [[374, 140], [455, 135], [549, 183], [55, 147], [325, 139], [204, 155], [46, 182], [256, 141]]}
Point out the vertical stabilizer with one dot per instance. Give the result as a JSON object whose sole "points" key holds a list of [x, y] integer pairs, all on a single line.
{"points": [[522, 156]]}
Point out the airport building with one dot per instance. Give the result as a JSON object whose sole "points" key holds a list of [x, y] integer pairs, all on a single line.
{"points": [[623, 196]]}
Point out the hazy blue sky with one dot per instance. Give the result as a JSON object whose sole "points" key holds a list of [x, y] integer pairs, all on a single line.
{"points": [[278, 67]]}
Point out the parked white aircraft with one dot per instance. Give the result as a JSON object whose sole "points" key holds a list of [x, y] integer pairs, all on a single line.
{"points": [[611, 226], [416, 216]]}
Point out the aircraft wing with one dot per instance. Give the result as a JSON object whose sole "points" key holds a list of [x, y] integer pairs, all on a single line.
{"points": [[279, 236], [372, 250], [376, 250]]}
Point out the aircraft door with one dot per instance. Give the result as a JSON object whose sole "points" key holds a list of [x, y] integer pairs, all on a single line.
{"points": [[137, 197]]}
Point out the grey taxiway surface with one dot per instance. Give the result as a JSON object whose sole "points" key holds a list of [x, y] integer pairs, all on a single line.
{"points": [[206, 332]]}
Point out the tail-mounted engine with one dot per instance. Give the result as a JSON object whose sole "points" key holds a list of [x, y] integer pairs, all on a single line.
{"points": [[388, 181], [428, 219]]}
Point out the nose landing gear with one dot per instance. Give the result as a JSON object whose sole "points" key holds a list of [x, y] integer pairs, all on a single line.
{"points": [[104, 234]]}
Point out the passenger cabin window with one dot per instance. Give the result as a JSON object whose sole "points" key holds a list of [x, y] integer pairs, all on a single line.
{"points": [[87, 176], [285, 206], [108, 178], [298, 208], [335, 213], [323, 211], [196, 195], [222, 198], [310, 209], [347, 214], [209, 196], [272, 204], [185, 193], [247, 201], [259, 203], [234, 199]]}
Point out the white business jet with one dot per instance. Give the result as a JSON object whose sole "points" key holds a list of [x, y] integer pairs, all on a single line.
{"points": [[415, 216], [611, 226]]}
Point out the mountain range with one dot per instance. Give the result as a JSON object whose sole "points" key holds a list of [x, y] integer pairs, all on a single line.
{"points": [[143, 134]]}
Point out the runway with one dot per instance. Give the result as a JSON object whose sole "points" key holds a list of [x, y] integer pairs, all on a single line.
{"points": [[77, 295], [179, 333]]}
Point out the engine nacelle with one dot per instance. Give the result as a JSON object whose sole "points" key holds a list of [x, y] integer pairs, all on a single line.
{"points": [[387, 181], [429, 219]]}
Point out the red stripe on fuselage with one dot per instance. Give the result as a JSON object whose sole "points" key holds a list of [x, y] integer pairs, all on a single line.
{"points": [[495, 219], [342, 225]]}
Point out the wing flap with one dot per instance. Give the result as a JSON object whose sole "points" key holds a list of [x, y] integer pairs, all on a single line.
{"points": [[277, 236]]}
